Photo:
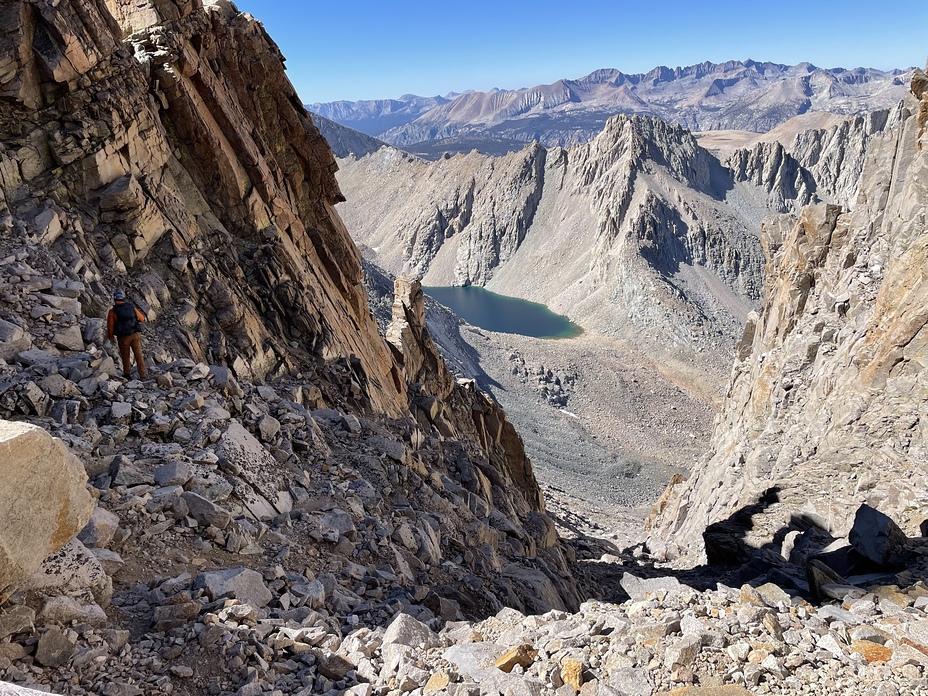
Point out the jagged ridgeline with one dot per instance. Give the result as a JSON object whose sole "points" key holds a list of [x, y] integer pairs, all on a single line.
{"points": [[743, 95], [641, 232], [826, 400]]}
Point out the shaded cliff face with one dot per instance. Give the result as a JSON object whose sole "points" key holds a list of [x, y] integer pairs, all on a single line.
{"points": [[827, 396], [189, 172], [815, 163]]}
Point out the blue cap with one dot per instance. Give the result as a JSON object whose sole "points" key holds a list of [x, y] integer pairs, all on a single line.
{"points": [[119, 295]]}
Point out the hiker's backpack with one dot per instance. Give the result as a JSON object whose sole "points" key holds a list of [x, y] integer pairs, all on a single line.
{"points": [[127, 321]]}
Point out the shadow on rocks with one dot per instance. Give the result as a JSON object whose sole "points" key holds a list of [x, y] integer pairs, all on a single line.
{"points": [[803, 558]]}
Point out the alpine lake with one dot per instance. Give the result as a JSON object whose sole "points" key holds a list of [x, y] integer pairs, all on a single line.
{"points": [[494, 312]]}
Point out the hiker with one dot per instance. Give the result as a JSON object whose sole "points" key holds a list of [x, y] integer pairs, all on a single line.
{"points": [[123, 321]]}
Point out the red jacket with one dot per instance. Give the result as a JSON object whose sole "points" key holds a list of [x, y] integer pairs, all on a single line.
{"points": [[111, 320]]}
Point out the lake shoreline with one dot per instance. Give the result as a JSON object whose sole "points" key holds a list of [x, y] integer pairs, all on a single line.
{"points": [[502, 313]]}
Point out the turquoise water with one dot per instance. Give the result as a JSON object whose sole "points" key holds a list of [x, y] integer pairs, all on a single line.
{"points": [[494, 312]]}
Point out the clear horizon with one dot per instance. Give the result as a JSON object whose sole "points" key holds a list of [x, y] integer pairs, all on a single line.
{"points": [[363, 50]]}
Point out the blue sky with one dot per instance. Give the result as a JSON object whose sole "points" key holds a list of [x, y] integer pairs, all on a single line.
{"points": [[371, 50]]}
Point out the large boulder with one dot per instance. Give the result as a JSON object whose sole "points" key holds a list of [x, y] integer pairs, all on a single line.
{"points": [[875, 536], [44, 501], [406, 630], [73, 571], [264, 487]]}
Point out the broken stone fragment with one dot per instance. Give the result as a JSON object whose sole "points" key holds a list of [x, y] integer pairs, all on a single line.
{"points": [[206, 511], [16, 619], [55, 648], [173, 474], [100, 529], [875, 536], [244, 584], [337, 523], [572, 673], [110, 560], [73, 570], [523, 655], [64, 610], [268, 427], [405, 630], [69, 339]]}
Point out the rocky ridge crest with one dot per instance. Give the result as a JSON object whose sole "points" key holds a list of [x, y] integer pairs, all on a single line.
{"points": [[825, 397], [178, 147], [739, 95]]}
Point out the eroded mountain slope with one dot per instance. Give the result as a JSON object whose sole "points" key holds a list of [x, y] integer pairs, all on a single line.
{"points": [[826, 400]]}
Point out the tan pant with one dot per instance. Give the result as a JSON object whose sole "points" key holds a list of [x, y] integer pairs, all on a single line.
{"points": [[131, 343]]}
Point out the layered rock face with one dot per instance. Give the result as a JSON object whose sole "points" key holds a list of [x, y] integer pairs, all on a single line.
{"points": [[181, 164], [814, 164], [445, 403], [282, 463], [826, 398]]}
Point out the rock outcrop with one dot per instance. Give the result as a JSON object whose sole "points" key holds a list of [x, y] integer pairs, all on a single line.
{"points": [[408, 335], [826, 398], [44, 502], [139, 161], [816, 164]]}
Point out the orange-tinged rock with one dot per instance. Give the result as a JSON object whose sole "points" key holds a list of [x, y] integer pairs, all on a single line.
{"points": [[523, 655], [921, 648], [438, 681], [750, 596], [872, 652], [891, 593], [572, 673]]}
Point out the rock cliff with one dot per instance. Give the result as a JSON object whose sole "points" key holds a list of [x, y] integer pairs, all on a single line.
{"points": [[140, 160], [283, 464], [826, 397], [814, 164]]}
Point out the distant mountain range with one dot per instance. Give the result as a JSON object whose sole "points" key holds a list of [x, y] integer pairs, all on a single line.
{"points": [[736, 95], [376, 116]]}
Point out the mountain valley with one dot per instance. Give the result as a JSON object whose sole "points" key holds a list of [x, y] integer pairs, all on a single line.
{"points": [[643, 237], [327, 483]]}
